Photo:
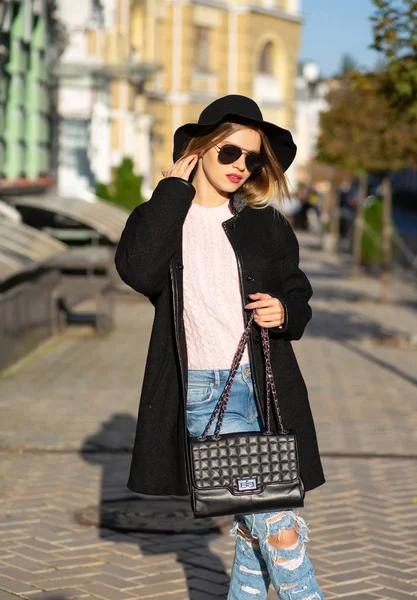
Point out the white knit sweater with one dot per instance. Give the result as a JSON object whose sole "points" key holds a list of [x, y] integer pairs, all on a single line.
{"points": [[213, 315]]}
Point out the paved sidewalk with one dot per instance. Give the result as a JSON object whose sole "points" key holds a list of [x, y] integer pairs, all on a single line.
{"points": [[78, 392]]}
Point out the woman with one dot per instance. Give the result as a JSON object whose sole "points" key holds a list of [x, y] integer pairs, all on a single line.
{"points": [[207, 249]]}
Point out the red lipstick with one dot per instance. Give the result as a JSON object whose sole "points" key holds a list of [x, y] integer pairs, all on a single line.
{"points": [[234, 177]]}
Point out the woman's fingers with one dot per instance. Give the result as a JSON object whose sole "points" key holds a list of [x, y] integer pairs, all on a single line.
{"points": [[269, 311], [191, 165], [182, 168]]}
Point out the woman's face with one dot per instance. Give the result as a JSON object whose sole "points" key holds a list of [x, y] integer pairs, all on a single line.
{"points": [[228, 178]]}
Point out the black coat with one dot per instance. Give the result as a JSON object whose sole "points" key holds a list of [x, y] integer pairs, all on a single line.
{"points": [[149, 259]]}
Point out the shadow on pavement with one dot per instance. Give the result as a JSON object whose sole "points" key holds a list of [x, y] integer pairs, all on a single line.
{"points": [[116, 436], [323, 292], [382, 363], [345, 326]]}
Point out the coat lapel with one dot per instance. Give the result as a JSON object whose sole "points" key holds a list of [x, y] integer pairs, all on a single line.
{"points": [[237, 202]]}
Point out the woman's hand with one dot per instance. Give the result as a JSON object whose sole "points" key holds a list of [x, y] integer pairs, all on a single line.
{"points": [[270, 312], [182, 168]]}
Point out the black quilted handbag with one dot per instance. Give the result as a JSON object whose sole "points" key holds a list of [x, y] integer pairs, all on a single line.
{"points": [[245, 472]]}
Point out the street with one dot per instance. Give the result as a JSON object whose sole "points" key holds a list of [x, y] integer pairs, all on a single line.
{"points": [[68, 414]]}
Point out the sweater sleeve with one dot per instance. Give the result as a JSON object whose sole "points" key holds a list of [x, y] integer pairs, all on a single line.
{"points": [[151, 234], [297, 290]]}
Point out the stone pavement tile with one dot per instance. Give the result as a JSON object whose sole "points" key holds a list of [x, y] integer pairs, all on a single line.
{"points": [[149, 591], [399, 565], [76, 572], [350, 588], [160, 578], [205, 563], [22, 575], [6, 596], [58, 584], [116, 582], [200, 595], [173, 546], [79, 561], [126, 562], [160, 559], [133, 550], [345, 557], [206, 574], [27, 565], [33, 554], [149, 570], [174, 596], [397, 585], [396, 573], [76, 546], [104, 591], [205, 586], [63, 594], [50, 533], [11, 534], [120, 572], [359, 597], [395, 595], [36, 544], [204, 551], [11, 585], [350, 576]]}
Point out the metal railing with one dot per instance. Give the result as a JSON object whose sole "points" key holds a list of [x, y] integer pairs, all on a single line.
{"points": [[26, 316]]}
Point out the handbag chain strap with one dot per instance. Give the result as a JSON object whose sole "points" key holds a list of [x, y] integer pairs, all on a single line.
{"points": [[221, 405]]}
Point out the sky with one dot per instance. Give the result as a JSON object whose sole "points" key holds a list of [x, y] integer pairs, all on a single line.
{"points": [[335, 27]]}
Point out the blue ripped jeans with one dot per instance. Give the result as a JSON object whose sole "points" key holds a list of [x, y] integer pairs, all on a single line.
{"points": [[257, 562]]}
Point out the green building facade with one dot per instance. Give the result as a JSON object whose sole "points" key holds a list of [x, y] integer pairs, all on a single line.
{"points": [[24, 90]]}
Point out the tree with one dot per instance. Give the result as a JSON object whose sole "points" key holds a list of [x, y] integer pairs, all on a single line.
{"points": [[348, 64], [395, 38], [125, 189], [362, 134]]}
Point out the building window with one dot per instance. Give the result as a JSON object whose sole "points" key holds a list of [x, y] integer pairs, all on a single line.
{"points": [[74, 141], [267, 87], [266, 59], [202, 48], [97, 14]]}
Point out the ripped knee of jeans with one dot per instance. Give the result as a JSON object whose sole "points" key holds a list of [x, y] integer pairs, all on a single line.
{"points": [[287, 534], [243, 536]]}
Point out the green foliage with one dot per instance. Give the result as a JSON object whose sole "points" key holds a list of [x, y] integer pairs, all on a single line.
{"points": [[371, 249], [125, 189], [372, 241], [360, 132], [348, 64], [395, 38]]}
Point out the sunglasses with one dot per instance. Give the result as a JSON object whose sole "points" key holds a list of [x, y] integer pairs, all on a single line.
{"points": [[229, 153]]}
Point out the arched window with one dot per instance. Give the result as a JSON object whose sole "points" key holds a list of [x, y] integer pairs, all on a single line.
{"points": [[266, 83], [266, 59]]}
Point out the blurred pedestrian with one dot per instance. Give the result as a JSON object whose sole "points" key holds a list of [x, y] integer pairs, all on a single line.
{"points": [[208, 246]]}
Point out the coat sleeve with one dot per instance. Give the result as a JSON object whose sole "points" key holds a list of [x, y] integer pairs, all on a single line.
{"points": [[151, 234], [297, 290]]}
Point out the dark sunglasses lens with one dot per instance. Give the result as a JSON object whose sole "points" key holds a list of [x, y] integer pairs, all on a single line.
{"points": [[255, 163], [229, 154]]}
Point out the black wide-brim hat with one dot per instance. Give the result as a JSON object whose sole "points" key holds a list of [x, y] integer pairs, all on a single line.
{"points": [[237, 109]]}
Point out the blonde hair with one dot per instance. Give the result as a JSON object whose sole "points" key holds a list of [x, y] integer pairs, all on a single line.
{"points": [[260, 190]]}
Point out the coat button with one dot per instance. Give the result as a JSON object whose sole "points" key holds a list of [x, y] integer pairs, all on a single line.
{"points": [[180, 266], [250, 278]]}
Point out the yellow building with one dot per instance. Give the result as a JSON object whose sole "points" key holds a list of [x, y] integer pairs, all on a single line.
{"points": [[207, 49], [101, 81]]}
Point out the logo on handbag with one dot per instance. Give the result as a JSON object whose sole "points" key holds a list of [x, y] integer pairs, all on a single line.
{"points": [[244, 485]]}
